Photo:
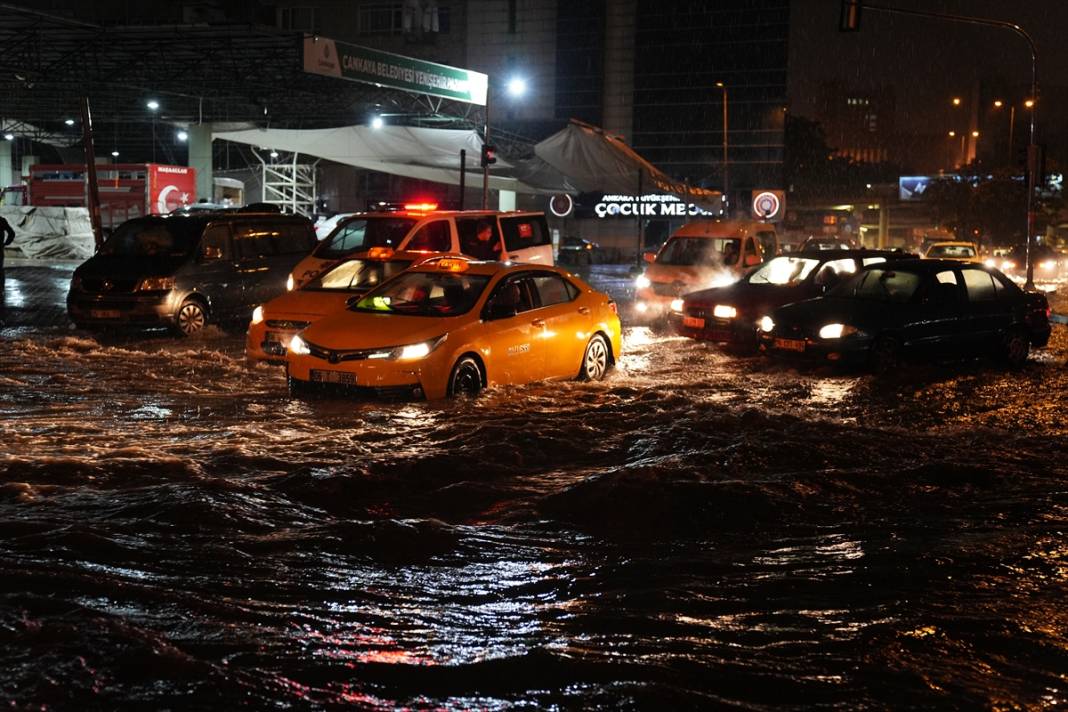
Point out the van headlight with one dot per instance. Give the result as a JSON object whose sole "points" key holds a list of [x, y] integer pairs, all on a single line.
{"points": [[291, 283], [766, 324], [724, 311], [676, 305], [299, 346], [156, 284], [836, 331], [642, 282]]}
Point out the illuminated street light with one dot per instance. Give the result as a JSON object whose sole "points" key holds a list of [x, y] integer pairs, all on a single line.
{"points": [[1029, 103], [69, 122], [516, 87], [183, 136], [952, 134], [152, 104], [377, 122], [115, 154], [975, 134], [956, 101], [9, 137], [274, 154], [998, 103]]}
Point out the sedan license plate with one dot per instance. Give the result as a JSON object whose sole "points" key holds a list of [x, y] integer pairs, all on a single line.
{"points": [[105, 313], [325, 376], [790, 344], [694, 322]]}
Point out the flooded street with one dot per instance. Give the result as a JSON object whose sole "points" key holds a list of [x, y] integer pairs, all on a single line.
{"points": [[697, 530]]}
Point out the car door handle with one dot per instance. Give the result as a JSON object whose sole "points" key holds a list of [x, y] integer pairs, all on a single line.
{"points": [[538, 322], [583, 310]]}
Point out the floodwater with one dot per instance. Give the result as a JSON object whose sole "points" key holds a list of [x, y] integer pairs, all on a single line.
{"points": [[696, 531]]}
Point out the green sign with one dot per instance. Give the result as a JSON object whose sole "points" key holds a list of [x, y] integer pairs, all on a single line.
{"points": [[363, 64]]}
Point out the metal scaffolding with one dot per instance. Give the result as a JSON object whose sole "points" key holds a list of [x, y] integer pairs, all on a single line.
{"points": [[289, 184]]}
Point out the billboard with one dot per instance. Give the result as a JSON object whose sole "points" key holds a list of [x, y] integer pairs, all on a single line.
{"points": [[170, 188]]}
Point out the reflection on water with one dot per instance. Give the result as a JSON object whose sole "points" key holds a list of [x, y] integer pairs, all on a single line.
{"points": [[695, 531]]}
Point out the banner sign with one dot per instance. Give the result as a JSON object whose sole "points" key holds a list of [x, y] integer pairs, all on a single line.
{"points": [[647, 206], [768, 204], [170, 188], [333, 58]]}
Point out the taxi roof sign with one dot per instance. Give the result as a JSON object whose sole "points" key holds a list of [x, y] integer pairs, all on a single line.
{"points": [[380, 253], [452, 264]]}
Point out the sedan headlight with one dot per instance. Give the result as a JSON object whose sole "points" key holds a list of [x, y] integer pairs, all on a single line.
{"points": [[642, 282], [156, 284], [766, 324], [724, 311], [291, 283], [1008, 264], [676, 305], [991, 263], [257, 315], [299, 346], [836, 331]]}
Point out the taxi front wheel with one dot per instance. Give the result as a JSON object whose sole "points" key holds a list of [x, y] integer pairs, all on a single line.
{"points": [[595, 360], [466, 378]]}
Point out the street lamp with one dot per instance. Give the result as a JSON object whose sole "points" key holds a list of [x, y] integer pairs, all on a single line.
{"points": [[516, 87], [183, 136], [956, 101], [377, 122], [726, 171], [153, 106]]}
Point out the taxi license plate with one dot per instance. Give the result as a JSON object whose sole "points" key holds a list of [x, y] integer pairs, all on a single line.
{"points": [[105, 313], [325, 376], [694, 322], [790, 344]]}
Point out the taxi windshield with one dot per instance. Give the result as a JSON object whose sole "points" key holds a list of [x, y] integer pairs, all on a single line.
{"points": [[154, 237], [364, 233], [690, 251], [357, 275], [425, 294], [784, 270]]}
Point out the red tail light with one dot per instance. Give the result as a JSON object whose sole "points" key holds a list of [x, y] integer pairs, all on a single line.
{"points": [[612, 306]]}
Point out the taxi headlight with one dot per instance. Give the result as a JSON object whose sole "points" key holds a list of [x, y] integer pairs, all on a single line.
{"points": [[155, 284], [257, 315], [291, 283], [766, 324], [676, 305], [410, 352], [642, 282], [836, 331], [724, 311], [298, 346]]}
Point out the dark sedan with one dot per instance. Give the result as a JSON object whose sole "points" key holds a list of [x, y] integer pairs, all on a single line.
{"points": [[576, 251], [929, 309], [729, 315]]}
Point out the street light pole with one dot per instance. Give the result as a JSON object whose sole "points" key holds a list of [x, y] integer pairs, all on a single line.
{"points": [[485, 165], [726, 170]]}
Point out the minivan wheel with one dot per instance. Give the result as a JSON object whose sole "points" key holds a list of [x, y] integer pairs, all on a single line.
{"points": [[595, 360], [466, 378], [1015, 349], [884, 355], [191, 317]]}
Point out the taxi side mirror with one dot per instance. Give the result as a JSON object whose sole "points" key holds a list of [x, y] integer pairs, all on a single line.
{"points": [[499, 310], [649, 256]]}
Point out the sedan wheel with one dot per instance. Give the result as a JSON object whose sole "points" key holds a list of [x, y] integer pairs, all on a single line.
{"points": [[595, 361], [1015, 349], [191, 317], [466, 378]]}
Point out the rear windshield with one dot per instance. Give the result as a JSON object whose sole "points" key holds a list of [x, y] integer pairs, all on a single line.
{"points": [[882, 285], [364, 233], [154, 237], [689, 251], [951, 251], [425, 294], [357, 275]]}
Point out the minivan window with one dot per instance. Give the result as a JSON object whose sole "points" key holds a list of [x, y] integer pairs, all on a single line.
{"points": [[432, 237], [364, 233], [215, 245], [153, 237], [523, 232], [252, 241], [689, 251]]}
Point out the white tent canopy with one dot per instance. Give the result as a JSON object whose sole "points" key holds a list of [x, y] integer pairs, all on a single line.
{"points": [[580, 158]]}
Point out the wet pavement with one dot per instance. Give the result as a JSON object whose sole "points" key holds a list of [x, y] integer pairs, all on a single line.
{"points": [[698, 530]]}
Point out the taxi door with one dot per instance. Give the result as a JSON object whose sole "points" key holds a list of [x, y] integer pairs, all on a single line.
{"points": [[565, 324], [513, 333]]}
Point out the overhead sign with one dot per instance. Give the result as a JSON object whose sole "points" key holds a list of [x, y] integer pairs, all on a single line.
{"points": [[561, 205], [333, 58], [913, 187], [767, 204], [646, 206]]}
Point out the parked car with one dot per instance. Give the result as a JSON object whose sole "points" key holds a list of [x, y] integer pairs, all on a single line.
{"points": [[186, 271], [729, 315], [576, 251], [452, 326], [922, 309], [518, 236], [702, 253]]}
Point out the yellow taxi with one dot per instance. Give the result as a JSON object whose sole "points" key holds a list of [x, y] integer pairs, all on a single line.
{"points": [[450, 326], [952, 250], [275, 322]]}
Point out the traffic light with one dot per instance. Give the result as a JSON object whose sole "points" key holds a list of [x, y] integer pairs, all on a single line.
{"points": [[849, 20], [489, 155]]}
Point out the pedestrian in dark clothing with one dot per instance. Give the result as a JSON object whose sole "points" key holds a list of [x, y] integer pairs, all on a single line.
{"points": [[9, 237]]}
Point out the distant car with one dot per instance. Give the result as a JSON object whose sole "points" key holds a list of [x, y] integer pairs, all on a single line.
{"points": [[451, 327], [961, 251], [825, 242], [923, 309], [576, 251], [729, 315]]}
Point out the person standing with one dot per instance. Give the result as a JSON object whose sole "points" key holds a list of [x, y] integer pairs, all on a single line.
{"points": [[9, 237]]}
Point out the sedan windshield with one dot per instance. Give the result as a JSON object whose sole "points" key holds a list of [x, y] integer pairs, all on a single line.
{"points": [[425, 294], [784, 270], [153, 237], [362, 234], [691, 251], [882, 285], [357, 275]]}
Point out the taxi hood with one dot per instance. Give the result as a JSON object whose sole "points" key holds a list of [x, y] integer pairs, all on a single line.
{"points": [[350, 330], [309, 303]]}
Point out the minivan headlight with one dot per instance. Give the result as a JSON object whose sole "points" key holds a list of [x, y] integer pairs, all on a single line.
{"points": [[291, 283], [156, 284], [299, 346], [257, 315]]}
